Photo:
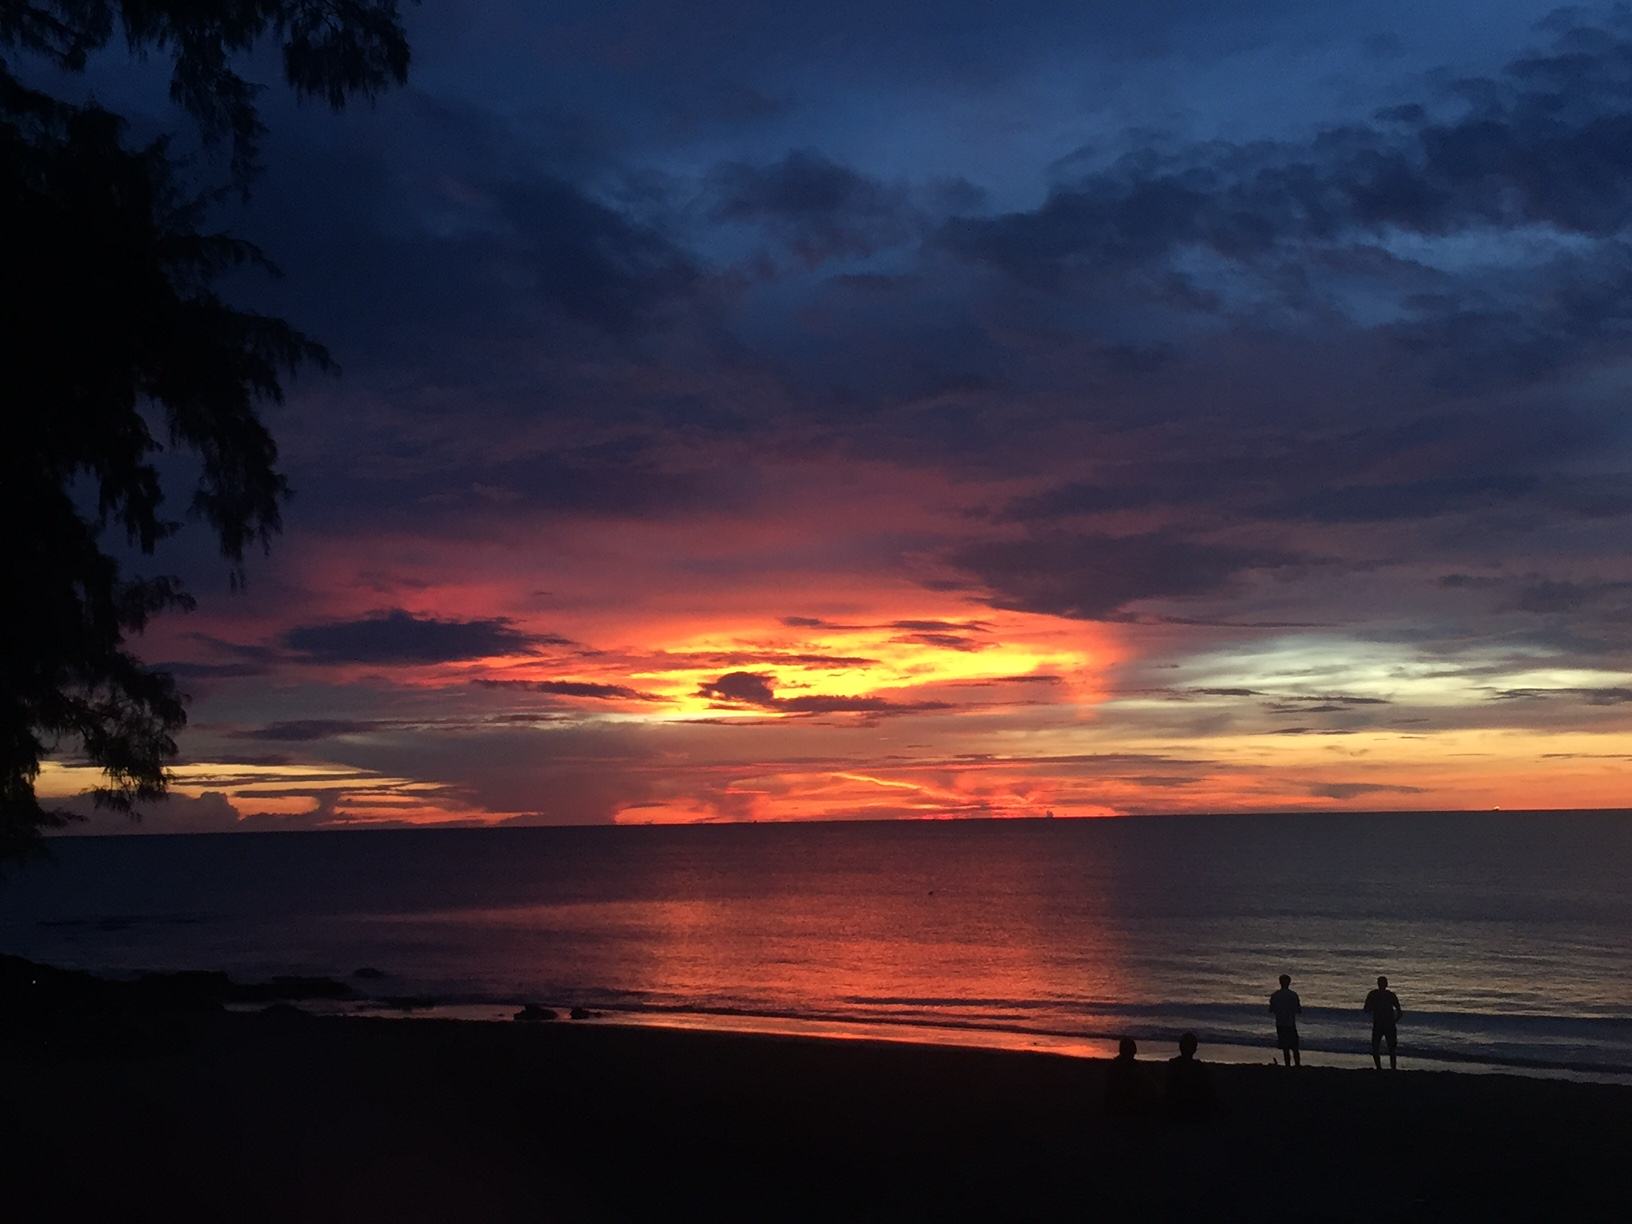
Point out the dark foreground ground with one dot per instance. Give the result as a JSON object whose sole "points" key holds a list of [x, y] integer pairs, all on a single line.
{"points": [[227, 1116]]}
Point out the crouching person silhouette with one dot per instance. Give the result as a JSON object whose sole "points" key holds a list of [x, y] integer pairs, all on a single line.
{"points": [[1190, 1095], [1126, 1092]]}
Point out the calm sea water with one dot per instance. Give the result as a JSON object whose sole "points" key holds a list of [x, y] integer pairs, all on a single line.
{"points": [[1508, 936]]}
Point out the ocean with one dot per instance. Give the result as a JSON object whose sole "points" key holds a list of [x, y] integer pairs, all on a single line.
{"points": [[1507, 935]]}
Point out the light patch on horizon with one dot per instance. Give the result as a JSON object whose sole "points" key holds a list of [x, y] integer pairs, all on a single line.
{"points": [[1307, 664], [274, 796]]}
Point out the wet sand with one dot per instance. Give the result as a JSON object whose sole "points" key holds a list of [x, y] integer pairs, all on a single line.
{"points": [[290, 1117]]}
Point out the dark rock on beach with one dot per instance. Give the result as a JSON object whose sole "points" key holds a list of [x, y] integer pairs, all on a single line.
{"points": [[580, 1013], [533, 1012], [191, 990], [209, 991], [30, 988]]}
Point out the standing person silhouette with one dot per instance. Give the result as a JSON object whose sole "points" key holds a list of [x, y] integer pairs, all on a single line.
{"points": [[1286, 1005], [1384, 1006]]}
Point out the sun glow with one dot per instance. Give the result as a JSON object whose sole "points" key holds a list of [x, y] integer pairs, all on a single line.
{"points": [[862, 668]]}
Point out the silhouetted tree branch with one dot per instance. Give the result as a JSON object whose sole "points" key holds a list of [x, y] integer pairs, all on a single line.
{"points": [[113, 346]]}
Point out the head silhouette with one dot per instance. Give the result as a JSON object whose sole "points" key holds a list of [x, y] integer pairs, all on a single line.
{"points": [[1187, 1045], [1126, 1048], [1286, 980], [1382, 983]]}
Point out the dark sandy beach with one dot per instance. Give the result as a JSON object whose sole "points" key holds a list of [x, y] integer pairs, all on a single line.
{"points": [[248, 1116]]}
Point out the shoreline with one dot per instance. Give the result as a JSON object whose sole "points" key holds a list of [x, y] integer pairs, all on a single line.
{"points": [[330, 996], [1010, 1039]]}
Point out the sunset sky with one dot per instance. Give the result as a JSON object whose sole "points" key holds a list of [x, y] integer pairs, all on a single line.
{"points": [[933, 409]]}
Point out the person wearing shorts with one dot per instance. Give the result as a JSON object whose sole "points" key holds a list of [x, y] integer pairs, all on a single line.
{"points": [[1285, 1005], [1384, 1006]]}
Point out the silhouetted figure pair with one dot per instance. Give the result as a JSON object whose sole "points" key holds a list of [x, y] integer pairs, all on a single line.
{"points": [[1385, 1009], [1383, 1005], [1189, 1095], [1286, 1005]]}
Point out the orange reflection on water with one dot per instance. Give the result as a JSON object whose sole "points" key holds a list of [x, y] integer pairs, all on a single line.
{"points": [[949, 942]]}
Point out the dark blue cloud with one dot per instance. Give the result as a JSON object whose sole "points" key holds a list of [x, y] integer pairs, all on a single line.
{"points": [[305, 730], [400, 637], [1094, 577], [1354, 790], [573, 688], [1407, 500], [1591, 696], [755, 690], [820, 209], [1547, 142]]}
